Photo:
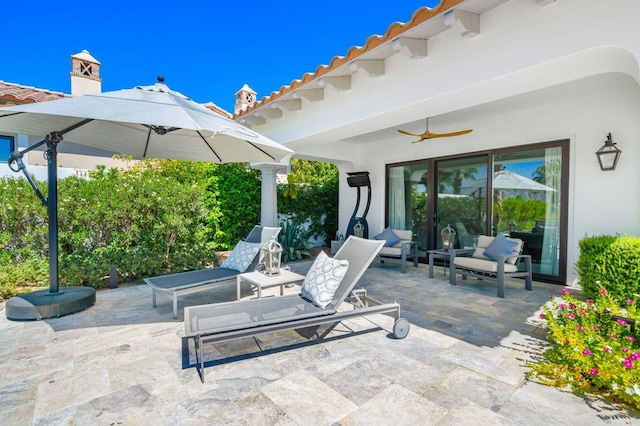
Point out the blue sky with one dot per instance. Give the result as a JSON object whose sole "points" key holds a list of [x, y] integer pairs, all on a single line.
{"points": [[205, 49]]}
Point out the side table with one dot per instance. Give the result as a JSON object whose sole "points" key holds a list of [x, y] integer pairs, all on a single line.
{"points": [[446, 256], [261, 281]]}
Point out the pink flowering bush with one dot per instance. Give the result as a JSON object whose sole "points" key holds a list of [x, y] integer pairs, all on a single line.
{"points": [[594, 349]]}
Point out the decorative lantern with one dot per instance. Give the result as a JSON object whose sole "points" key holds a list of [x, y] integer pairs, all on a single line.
{"points": [[608, 155], [448, 236], [272, 251], [358, 230]]}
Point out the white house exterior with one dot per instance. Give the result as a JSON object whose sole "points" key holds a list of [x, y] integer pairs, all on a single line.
{"points": [[535, 80]]}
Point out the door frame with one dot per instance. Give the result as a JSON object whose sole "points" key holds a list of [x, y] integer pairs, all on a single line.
{"points": [[489, 154]]}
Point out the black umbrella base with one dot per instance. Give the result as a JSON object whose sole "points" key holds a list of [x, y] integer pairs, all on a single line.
{"points": [[43, 304]]}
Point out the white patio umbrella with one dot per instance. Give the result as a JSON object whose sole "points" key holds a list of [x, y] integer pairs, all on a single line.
{"points": [[145, 122]]}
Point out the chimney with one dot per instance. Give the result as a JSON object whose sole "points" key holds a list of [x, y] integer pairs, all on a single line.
{"points": [[245, 98], [85, 74]]}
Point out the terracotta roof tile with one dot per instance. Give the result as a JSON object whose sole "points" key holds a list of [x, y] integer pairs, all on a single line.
{"points": [[218, 110], [16, 93], [395, 29]]}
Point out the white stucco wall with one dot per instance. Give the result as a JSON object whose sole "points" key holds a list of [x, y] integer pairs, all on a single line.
{"points": [[568, 70], [600, 202]]}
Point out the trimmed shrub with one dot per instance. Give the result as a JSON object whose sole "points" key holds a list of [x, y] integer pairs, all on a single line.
{"points": [[311, 193], [141, 221], [610, 262]]}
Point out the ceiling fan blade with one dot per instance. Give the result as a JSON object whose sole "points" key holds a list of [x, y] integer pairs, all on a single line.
{"points": [[428, 135], [445, 135]]}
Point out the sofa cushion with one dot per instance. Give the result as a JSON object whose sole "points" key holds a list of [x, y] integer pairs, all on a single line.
{"points": [[389, 236], [323, 279], [488, 266], [479, 254], [390, 251], [500, 246]]}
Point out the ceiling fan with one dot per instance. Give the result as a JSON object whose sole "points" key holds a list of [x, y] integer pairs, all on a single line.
{"points": [[428, 135]]}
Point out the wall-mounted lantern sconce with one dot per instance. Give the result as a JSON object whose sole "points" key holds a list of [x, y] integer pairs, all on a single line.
{"points": [[608, 155]]}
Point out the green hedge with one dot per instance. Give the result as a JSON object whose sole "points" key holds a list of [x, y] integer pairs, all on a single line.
{"points": [[161, 216], [317, 203], [141, 221], [610, 262]]}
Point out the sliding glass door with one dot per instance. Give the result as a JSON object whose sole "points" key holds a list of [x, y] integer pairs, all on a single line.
{"points": [[528, 203], [524, 196], [408, 201], [462, 199]]}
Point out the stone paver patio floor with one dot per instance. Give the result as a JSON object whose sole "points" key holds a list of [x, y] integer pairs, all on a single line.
{"points": [[122, 362]]}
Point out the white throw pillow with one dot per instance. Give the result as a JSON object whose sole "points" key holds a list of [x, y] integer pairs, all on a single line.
{"points": [[241, 256], [323, 279]]}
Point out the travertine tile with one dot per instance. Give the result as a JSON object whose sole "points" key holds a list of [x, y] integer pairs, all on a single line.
{"points": [[398, 406], [122, 362], [308, 400]]}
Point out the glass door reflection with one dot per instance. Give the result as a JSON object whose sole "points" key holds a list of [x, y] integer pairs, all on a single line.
{"points": [[462, 199], [408, 201]]}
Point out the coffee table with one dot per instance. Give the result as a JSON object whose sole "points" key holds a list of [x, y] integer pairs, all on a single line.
{"points": [[262, 281]]}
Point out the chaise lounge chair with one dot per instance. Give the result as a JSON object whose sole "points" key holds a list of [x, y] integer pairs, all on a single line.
{"points": [[223, 322], [205, 279]]}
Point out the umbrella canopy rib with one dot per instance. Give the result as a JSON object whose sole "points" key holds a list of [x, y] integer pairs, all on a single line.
{"points": [[210, 147], [146, 145], [75, 126], [260, 149]]}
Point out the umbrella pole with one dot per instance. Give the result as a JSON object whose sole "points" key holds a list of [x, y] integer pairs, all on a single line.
{"points": [[52, 208]]}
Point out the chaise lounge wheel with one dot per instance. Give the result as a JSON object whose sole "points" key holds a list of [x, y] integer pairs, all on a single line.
{"points": [[401, 328]]}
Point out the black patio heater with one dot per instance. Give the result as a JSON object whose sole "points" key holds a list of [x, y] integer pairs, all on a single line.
{"points": [[358, 225]]}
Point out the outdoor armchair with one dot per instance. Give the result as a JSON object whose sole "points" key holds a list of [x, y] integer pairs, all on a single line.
{"points": [[399, 247], [486, 263]]}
